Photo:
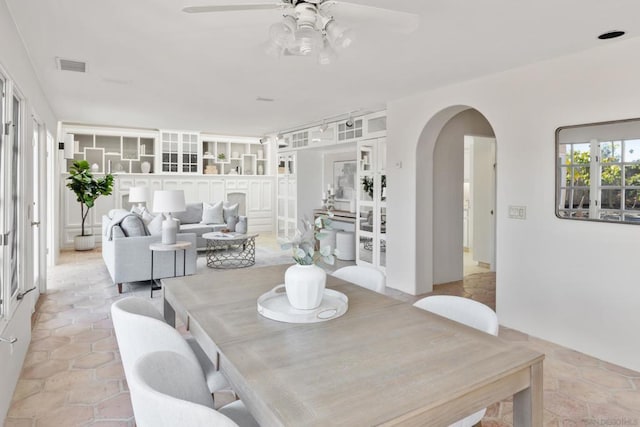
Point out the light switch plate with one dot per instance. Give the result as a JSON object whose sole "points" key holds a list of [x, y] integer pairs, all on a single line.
{"points": [[517, 212]]}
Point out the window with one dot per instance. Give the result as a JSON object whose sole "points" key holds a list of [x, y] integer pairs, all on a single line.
{"points": [[598, 172]]}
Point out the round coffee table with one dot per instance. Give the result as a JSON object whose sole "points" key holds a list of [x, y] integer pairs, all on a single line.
{"points": [[230, 250]]}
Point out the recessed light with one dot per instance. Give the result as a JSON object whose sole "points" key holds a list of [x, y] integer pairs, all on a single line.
{"points": [[611, 35], [262, 99]]}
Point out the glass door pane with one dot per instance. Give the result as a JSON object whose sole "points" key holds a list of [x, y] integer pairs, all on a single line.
{"points": [[12, 247], [2, 192]]}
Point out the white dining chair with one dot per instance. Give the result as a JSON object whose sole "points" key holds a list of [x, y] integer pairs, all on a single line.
{"points": [[366, 277], [470, 313], [141, 329], [168, 390]]}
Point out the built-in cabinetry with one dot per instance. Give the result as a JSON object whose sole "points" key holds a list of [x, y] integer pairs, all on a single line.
{"points": [[112, 150], [234, 156], [117, 150], [178, 152], [372, 205]]}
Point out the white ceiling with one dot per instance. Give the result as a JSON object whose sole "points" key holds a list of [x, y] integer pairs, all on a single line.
{"points": [[151, 65]]}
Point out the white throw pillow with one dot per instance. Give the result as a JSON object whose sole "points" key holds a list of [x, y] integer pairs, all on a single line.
{"points": [[153, 223], [212, 214]]}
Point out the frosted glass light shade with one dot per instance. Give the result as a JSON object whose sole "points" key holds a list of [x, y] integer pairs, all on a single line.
{"points": [[166, 201], [138, 194]]}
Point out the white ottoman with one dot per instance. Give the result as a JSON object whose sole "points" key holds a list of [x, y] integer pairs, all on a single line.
{"points": [[346, 245], [330, 240]]}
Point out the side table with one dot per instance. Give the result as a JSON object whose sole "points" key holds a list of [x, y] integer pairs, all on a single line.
{"points": [[159, 247]]}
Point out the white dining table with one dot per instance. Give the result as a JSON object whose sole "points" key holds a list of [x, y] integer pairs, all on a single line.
{"points": [[384, 362]]}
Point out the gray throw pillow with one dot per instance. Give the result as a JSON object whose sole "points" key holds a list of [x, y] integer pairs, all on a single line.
{"points": [[192, 214], [212, 214], [132, 226], [232, 221], [229, 211]]}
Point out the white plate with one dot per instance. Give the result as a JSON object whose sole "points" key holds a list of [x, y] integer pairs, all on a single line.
{"points": [[275, 305]]}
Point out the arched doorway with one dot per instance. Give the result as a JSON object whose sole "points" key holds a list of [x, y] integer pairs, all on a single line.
{"points": [[439, 194]]}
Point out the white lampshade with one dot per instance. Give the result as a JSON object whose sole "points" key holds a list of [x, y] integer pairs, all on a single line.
{"points": [[138, 194], [169, 201], [69, 145]]}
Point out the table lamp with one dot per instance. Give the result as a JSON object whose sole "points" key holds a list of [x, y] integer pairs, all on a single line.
{"points": [[139, 195], [167, 201]]}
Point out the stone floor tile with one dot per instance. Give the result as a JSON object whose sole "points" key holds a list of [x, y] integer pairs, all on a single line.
{"points": [[71, 330], [117, 407], [66, 416], [113, 371], [18, 422], [575, 357], [48, 343], [26, 388], [94, 392], [34, 357], [98, 423], [620, 370], [583, 391], [564, 407], [38, 404], [106, 344], [103, 324], [92, 360], [71, 351], [56, 322], [38, 334], [628, 399], [66, 380], [91, 336], [45, 369], [605, 378], [613, 414]]}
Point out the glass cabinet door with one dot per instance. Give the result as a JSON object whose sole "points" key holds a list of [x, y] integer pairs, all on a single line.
{"points": [[169, 152]]}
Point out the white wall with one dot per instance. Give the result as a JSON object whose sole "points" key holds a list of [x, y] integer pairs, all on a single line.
{"points": [[14, 60], [574, 283]]}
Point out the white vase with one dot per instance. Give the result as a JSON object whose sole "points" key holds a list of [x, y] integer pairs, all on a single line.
{"points": [[305, 286], [84, 243], [145, 167]]}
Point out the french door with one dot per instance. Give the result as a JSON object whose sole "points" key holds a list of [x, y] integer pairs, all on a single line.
{"points": [[11, 115]]}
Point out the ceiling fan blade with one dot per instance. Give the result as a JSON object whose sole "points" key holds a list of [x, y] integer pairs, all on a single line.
{"points": [[358, 15], [233, 7]]}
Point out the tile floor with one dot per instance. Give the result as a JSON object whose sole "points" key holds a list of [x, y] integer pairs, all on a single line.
{"points": [[72, 375]]}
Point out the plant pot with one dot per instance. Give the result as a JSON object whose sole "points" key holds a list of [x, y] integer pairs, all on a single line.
{"points": [[84, 243], [305, 286]]}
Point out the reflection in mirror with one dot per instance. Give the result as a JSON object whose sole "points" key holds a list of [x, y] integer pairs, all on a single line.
{"points": [[598, 171]]}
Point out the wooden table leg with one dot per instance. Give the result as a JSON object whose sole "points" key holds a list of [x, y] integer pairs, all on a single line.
{"points": [[169, 314], [527, 404]]}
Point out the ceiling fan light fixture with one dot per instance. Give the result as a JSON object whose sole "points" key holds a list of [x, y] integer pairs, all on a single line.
{"points": [[307, 39], [339, 36], [326, 56]]}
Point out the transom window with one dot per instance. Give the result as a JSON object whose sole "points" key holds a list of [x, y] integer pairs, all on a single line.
{"points": [[598, 172]]}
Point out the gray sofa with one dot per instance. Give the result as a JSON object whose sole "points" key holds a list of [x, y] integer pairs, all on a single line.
{"points": [[126, 238], [128, 258], [196, 220]]}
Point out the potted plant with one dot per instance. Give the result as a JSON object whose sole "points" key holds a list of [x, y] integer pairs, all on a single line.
{"points": [[305, 281], [222, 156], [87, 189]]}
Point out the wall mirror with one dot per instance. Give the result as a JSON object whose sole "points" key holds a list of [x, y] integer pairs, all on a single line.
{"points": [[598, 172]]}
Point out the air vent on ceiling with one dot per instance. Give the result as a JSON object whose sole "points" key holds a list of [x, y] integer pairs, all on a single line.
{"points": [[71, 65]]}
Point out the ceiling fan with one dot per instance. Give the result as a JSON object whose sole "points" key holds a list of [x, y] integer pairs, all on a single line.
{"points": [[308, 27]]}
